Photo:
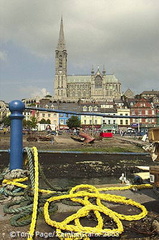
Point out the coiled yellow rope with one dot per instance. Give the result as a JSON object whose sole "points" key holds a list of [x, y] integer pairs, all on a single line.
{"points": [[82, 194], [91, 192]]}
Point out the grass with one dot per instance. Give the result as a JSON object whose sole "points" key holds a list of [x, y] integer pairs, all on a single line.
{"points": [[109, 149]]}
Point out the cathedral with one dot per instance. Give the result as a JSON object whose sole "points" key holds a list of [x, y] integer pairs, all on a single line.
{"points": [[98, 86]]}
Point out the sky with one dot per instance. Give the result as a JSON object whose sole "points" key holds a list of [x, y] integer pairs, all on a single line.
{"points": [[121, 35]]}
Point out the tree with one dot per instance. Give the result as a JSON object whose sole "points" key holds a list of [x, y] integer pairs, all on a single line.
{"points": [[48, 121], [6, 121], [43, 121], [73, 122], [27, 124], [32, 123], [48, 96]]}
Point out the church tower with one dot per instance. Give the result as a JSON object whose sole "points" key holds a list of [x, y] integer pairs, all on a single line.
{"points": [[61, 66]]}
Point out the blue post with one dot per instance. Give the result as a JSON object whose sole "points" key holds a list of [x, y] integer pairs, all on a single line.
{"points": [[16, 135]]}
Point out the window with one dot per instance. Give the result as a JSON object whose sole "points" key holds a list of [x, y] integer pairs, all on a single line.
{"points": [[43, 114], [61, 121], [95, 108], [49, 115], [121, 122], [84, 108], [60, 61], [133, 112], [98, 82], [90, 108], [149, 120], [126, 122]]}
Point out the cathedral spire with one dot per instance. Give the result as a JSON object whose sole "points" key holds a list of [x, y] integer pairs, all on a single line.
{"points": [[104, 71], [92, 72], [61, 42]]}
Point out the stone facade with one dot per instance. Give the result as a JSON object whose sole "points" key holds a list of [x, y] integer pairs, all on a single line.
{"points": [[96, 86]]}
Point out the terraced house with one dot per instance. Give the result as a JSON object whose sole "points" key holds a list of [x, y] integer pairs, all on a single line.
{"points": [[144, 107]]}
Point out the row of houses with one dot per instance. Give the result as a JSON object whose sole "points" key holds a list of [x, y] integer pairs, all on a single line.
{"points": [[146, 107], [118, 112]]}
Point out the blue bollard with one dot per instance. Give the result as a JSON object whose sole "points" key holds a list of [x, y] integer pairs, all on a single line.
{"points": [[16, 135]]}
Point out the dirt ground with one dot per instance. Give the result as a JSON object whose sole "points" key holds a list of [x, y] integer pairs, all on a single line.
{"points": [[141, 229], [65, 142]]}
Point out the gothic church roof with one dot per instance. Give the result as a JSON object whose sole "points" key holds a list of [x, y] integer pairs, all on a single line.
{"points": [[87, 78]]}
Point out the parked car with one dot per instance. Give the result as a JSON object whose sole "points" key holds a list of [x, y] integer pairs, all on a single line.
{"points": [[141, 133], [131, 132], [58, 132]]}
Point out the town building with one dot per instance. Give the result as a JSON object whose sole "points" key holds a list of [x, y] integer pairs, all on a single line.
{"points": [[44, 118], [124, 121], [149, 94], [143, 107]]}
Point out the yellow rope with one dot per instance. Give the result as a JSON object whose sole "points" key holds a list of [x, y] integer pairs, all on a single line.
{"points": [[35, 201], [81, 194], [99, 208], [16, 183]]}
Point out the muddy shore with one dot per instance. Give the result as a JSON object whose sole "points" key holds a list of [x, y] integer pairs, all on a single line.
{"points": [[65, 157], [86, 165]]}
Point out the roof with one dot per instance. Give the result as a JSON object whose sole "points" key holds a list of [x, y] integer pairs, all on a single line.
{"points": [[87, 79], [111, 79], [129, 93], [108, 110], [78, 78], [150, 92]]}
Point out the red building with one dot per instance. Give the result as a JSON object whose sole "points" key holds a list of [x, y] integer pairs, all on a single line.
{"points": [[143, 107]]}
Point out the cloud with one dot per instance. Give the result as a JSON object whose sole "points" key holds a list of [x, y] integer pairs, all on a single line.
{"points": [[33, 91], [120, 34], [90, 24], [3, 56]]}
